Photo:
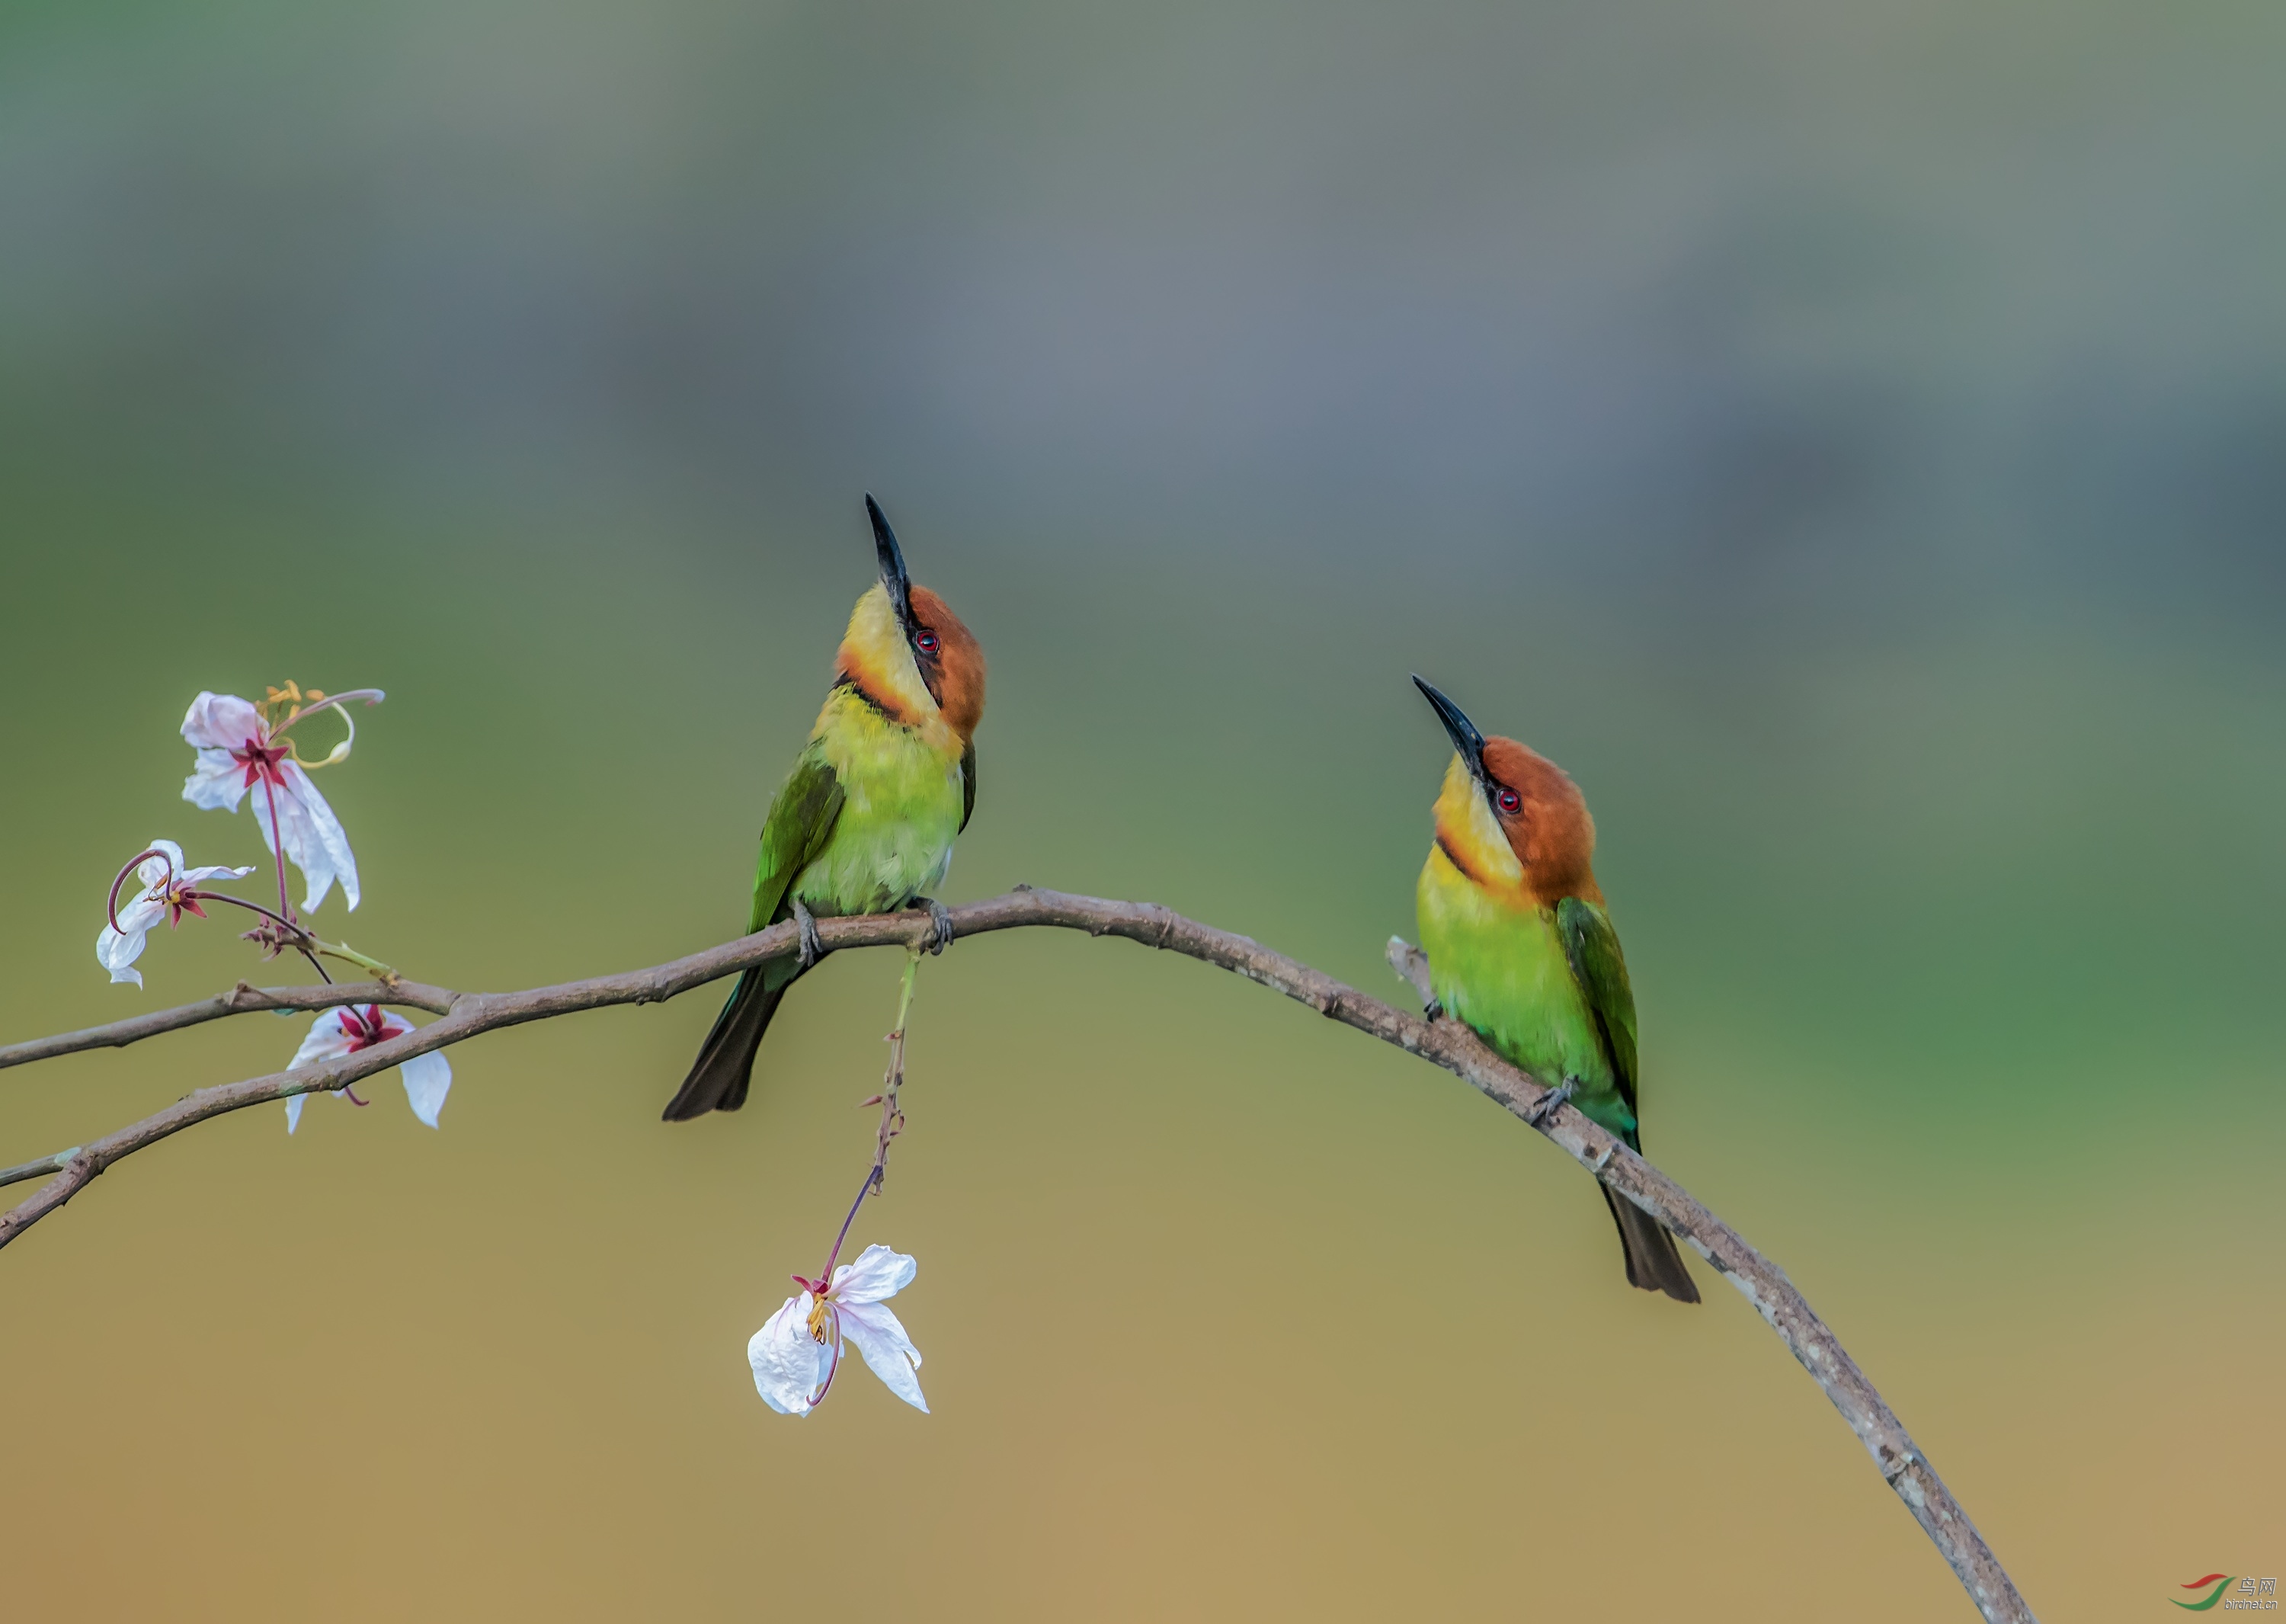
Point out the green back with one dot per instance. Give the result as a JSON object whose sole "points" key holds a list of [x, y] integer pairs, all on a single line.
{"points": [[1546, 987], [1592, 949], [801, 823]]}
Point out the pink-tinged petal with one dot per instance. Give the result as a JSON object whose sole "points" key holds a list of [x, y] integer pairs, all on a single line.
{"points": [[327, 837], [890, 1353], [788, 1364], [428, 1078], [221, 722], [327, 1041], [217, 783], [879, 1272]]}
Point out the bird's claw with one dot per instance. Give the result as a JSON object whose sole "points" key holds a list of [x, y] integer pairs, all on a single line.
{"points": [[1433, 1010], [940, 936], [1545, 1107], [812, 949]]}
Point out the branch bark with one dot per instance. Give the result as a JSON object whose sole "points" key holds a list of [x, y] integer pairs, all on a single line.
{"points": [[240, 1000], [1444, 1042]]}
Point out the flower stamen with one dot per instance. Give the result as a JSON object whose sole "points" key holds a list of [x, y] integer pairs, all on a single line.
{"points": [[322, 701], [339, 754]]}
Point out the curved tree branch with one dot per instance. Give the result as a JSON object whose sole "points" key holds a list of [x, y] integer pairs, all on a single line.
{"points": [[240, 1000], [1446, 1042]]}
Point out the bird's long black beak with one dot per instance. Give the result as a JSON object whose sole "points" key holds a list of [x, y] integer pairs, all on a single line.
{"points": [[1464, 732], [892, 559]]}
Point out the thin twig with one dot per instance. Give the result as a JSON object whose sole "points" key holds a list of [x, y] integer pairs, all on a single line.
{"points": [[893, 1081], [1444, 1042]]}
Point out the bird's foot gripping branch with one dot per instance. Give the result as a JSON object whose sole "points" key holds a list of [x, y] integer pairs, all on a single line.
{"points": [[797, 1354]]}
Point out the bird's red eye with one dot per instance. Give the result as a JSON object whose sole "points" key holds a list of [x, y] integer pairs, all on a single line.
{"points": [[1510, 802], [926, 642]]}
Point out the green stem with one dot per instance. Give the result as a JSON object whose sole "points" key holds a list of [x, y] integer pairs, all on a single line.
{"points": [[905, 998], [893, 1118], [344, 951]]}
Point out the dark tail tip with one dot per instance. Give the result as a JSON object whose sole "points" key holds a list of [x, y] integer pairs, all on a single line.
{"points": [[725, 1067], [1653, 1262]]}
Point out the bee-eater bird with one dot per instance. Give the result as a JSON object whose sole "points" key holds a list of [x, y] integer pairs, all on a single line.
{"points": [[1521, 949], [865, 822]]}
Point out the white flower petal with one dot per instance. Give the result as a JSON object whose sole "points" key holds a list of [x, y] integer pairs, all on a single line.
{"points": [[890, 1353], [217, 783], [312, 835], [294, 1111], [116, 950], [141, 912], [325, 1042], [879, 1272], [154, 871], [789, 1363], [326, 835], [301, 845], [427, 1079], [117, 953], [221, 722], [218, 872]]}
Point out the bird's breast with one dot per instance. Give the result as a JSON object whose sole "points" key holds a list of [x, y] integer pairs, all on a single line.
{"points": [[900, 809], [1497, 965]]}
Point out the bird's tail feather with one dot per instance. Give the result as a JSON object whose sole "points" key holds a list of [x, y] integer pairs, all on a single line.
{"points": [[725, 1067], [1653, 1263]]}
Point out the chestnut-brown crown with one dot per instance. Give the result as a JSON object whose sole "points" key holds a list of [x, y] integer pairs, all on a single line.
{"points": [[955, 671], [1549, 830]]}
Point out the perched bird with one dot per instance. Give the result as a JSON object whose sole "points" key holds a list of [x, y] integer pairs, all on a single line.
{"points": [[865, 822], [1521, 949]]}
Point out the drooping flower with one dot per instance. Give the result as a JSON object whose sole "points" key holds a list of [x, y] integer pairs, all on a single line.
{"points": [[428, 1078], [167, 894], [239, 751], [798, 1350]]}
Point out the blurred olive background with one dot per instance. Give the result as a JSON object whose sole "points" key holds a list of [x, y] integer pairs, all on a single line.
{"points": [[1850, 438]]}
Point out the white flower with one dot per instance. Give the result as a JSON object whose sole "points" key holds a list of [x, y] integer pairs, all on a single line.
{"points": [[796, 1352], [166, 895], [238, 753], [428, 1078]]}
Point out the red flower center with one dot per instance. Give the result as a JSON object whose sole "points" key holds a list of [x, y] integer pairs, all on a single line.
{"points": [[365, 1028], [262, 761]]}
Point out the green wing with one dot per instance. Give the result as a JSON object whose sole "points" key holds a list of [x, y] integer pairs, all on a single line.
{"points": [[1592, 947], [801, 820], [967, 786]]}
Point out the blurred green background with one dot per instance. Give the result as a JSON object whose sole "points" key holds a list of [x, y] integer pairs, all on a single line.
{"points": [[1848, 438]]}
